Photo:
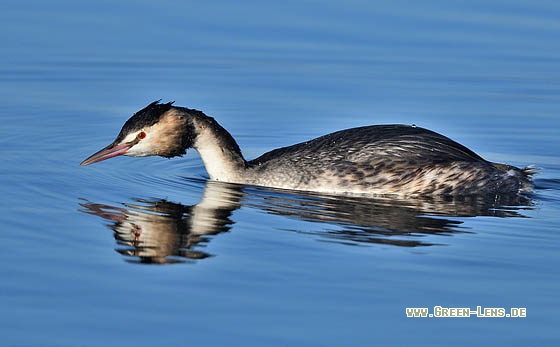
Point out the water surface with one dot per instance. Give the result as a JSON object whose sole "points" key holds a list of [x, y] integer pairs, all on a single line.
{"points": [[147, 252]]}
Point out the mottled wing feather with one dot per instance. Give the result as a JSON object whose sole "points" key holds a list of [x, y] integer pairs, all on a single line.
{"points": [[396, 143]]}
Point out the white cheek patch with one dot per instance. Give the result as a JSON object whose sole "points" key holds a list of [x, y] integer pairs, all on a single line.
{"points": [[140, 150], [161, 138], [150, 145], [130, 137]]}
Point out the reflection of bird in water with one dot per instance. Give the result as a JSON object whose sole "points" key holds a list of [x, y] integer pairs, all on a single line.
{"points": [[158, 231], [382, 220], [153, 231], [381, 159]]}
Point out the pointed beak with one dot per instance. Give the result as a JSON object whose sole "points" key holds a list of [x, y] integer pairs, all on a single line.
{"points": [[108, 152]]}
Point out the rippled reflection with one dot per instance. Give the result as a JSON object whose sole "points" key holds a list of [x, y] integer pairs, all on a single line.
{"points": [[388, 220], [160, 231]]}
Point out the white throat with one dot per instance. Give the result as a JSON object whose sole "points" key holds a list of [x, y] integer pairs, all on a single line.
{"points": [[220, 164]]}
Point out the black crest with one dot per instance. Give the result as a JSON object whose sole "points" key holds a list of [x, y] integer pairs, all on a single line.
{"points": [[146, 117]]}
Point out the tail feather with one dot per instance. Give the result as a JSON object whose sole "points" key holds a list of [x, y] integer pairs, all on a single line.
{"points": [[521, 179], [526, 174], [529, 171]]}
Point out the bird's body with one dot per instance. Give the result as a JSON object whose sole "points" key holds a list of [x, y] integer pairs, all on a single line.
{"points": [[379, 159]]}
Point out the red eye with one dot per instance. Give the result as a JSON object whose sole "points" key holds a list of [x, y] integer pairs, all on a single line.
{"points": [[141, 135]]}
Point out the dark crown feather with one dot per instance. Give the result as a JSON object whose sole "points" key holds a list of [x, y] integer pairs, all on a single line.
{"points": [[146, 117]]}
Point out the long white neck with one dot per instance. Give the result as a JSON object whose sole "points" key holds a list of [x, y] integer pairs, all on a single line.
{"points": [[219, 151]]}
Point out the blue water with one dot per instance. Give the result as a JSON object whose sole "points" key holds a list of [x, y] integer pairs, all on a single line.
{"points": [[144, 251]]}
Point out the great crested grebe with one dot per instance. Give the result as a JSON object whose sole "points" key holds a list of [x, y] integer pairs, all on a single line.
{"points": [[375, 160]]}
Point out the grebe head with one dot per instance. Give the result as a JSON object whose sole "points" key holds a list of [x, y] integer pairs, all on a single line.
{"points": [[157, 129]]}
